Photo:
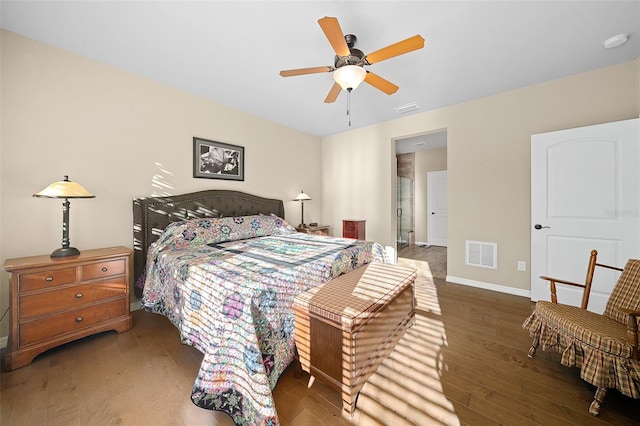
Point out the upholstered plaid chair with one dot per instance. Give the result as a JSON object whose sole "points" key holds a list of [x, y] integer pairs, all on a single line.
{"points": [[604, 347]]}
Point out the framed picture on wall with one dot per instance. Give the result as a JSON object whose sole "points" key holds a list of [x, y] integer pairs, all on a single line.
{"points": [[217, 160]]}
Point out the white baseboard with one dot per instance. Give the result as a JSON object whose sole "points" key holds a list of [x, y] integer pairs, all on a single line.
{"points": [[489, 286], [134, 306]]}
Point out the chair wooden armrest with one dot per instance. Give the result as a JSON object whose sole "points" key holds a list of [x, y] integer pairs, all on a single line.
{"points": [[561, 281], [587, 282], [552, 286], [632, 329]]}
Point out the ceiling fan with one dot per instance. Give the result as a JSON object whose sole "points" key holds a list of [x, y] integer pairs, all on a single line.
{"points": [[349, 62]]}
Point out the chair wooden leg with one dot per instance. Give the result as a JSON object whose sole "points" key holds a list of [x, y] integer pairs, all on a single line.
{"points": [[534, 346], [594, 408]]}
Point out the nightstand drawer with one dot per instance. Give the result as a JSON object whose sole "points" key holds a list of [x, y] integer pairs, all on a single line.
{"points": [[103, 269], [45, 279], [70, 298], [34, 331]]}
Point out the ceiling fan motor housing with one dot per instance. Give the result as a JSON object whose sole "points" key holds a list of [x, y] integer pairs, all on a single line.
{"points": [[355, 57]]}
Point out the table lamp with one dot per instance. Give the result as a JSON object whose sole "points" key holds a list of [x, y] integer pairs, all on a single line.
{"points": [[65, 189], [302, 197]]}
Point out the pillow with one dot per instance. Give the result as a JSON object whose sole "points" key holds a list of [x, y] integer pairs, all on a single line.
{"points": [[198, 232]]}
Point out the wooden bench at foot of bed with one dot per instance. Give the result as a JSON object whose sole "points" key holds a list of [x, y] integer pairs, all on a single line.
{"points": [[346, 327]]}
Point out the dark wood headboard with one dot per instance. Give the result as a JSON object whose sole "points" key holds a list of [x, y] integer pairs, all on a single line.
{"points": [[151, 215]]}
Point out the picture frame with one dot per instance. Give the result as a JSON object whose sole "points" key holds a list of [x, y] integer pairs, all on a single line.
{"points": [[217, 160]]}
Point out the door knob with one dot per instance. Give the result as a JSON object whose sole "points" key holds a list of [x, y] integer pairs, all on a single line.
{"points": [[538, 226]]}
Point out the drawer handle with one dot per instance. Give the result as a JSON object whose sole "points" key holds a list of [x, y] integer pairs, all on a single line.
{"points": [[49, 279], [79, 319], [78, 295], [105, 269]]}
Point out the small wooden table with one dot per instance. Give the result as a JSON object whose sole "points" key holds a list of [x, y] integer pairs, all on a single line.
{"points": [[346, 327], [354, 228]]}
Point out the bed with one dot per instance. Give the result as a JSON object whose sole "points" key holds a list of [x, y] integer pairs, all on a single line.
{"points": [[224, 268]]}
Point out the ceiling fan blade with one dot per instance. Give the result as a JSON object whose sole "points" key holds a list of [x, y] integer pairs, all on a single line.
{"points": [[303, 71], [380, 83], [334, 34], [405, 46], [333, 93]]}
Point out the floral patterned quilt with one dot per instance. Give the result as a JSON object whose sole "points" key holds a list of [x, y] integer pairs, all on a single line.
{"points": [[228, 286]]}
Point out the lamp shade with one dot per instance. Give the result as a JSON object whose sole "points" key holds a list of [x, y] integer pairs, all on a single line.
{"points": [[349, 76], [302, 197], [64, 189]]}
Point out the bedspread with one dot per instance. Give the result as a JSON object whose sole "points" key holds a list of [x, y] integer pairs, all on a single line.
{"points": [[233, 300]]}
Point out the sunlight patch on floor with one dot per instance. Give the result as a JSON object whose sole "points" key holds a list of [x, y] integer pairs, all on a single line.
{"points": [[407, 388]]}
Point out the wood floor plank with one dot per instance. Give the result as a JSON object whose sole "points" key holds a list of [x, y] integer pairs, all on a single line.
{"points": [[471, 417]]}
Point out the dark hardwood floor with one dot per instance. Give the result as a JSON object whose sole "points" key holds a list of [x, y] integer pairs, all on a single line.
{"points": [[463, 362]]}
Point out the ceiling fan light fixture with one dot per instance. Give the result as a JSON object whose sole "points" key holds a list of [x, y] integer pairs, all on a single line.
{"points": [[349, 77]]}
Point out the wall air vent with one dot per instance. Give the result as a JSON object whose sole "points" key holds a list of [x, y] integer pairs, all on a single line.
{"points": [[481, 254]]}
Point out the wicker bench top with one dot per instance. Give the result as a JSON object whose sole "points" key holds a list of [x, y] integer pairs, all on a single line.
{"points": [[352, 298]]}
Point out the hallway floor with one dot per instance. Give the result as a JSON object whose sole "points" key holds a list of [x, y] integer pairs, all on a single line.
{"points": [[435, 256]]}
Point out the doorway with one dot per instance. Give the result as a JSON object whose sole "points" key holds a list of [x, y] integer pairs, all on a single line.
{"points": [[428, 153]]}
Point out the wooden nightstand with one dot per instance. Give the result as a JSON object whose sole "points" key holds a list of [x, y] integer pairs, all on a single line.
{"points": [[317, 230], [57, 300], [353, 229]]}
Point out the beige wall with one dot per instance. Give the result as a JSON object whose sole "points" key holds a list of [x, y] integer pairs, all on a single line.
{"points": [[432, 160], [121, 136], [488, 155], [358, 181]]}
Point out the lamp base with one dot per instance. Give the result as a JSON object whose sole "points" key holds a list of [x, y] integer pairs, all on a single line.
{"points": [[65, 251], [303, 225]]}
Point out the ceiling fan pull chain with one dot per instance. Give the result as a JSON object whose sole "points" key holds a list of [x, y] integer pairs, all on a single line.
{"points": [[349, 106]]}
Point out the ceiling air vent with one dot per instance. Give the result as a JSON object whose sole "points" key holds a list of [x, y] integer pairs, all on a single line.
{"points": [[406, 108], [482, 254]]}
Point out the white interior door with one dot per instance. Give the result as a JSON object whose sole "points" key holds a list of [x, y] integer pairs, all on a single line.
{"points": [[437, 208], [585, 185]]}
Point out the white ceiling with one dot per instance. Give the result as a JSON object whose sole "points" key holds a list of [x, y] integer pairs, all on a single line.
{"points": [[231, 52]]}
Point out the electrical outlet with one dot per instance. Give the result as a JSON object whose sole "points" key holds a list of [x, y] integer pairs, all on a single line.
{"points": [[522, 265]]}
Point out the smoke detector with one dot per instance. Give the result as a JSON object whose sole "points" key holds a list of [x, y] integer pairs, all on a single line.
{"points": [[615, 41]]}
